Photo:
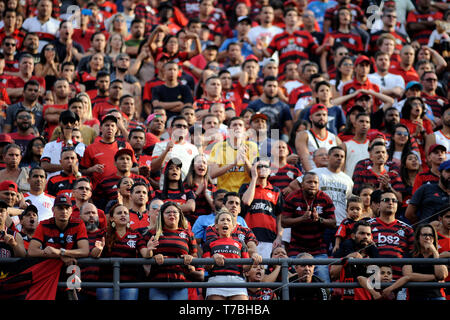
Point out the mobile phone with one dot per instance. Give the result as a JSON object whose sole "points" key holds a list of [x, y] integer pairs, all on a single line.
{"points": [[86, 12]]}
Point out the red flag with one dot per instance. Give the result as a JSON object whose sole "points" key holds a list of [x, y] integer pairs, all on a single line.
{"points": [[30, 279]]}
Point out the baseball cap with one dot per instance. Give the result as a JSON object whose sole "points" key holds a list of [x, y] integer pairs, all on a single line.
{"points": [[68, 116], [123, 151], [175, 161], [259, 115], [108, 117], [62, 200], [373, 134], [30, 208], [211, 45], [361, 59], [413, 84], [251, 57], [361, 95], [244, 18], [6, 138], [436, 146], [8, 185], [161, 56], [317, 107], [444, 165]]}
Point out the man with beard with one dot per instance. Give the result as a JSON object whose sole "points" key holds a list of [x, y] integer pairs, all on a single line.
{"points": [[24, 122], [436, 155], [318, 136], [308, 212], [305, 274], [96, 237], [390, 84], [66, 48], [137, 36], [429, 81], [63, 182], [12, 157], [30, 45], [394, 238], [358, 247], [29, 222], [278, 112], [262, 206], [82, 194], [391, 118], [423, 204]]}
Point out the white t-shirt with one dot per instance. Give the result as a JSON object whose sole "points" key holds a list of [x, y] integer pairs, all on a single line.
{"points": [[45, 31], [52, 153], [390, 80], [44, 204], [338, 186]]}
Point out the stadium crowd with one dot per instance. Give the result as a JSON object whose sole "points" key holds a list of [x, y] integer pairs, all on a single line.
{"points": [[228, 129]]}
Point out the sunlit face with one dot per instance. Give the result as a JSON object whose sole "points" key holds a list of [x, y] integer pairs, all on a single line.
{"points": [[354, 210], [365, 196], [120, 216], [171, 217], [225, 225]]}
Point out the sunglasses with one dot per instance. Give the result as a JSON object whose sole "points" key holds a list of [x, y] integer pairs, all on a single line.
{"points": [[9, 44], [430, 79], [402, 133], [260, 166]]}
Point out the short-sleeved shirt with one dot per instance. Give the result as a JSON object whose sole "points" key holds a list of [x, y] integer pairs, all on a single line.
{"points": [[282, 177], [428, 198], [308, 236], [181, 93], [49, 235], [278, 113], [222, 154]]}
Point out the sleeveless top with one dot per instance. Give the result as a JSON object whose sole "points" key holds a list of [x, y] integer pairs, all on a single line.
{"points": [[444, 140], [355, 152], [314, 143]]}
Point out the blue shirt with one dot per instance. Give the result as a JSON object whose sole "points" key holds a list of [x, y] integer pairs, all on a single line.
{"points": [[246, 47], [205, 221], [319, 8], [336, 118], [278, 113]]}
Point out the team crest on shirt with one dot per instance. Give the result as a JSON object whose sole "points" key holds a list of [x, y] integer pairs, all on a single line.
{"points": [[401, 233], [183, 235], [131, 243], [241, 237], [183, 197], [270, 195], [319, 209], [300, 40], [290, 174], [69, 239], [351, 40]]}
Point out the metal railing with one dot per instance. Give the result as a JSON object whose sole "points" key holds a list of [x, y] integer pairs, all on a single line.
{"points": [[283, 286]]}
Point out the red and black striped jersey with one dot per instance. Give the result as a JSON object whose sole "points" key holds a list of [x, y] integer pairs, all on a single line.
{"points": [[204, 104], [98, 99], [11, 66], [297, 46], [138, 220], [178, 197], [422, 36], [49, 235], [368, 176], [61, 184], [393, 240], [298, 93], [284, 176], [435, 102], [345, 228], [127, 246], [308, 236], [202, 207], [239, 233], [422, 178], [229, 248], [172, 244], [90, 273], [262, 294], [353, 86], [366, 163], [332, 13], [352, 41], [6, 250], [261, 215], [401, 39], [243, 95]]}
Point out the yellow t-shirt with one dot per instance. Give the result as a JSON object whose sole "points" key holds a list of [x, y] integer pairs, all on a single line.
{"points": [[222, 154]]}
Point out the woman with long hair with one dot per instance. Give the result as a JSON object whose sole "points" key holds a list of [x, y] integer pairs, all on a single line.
{"points": [[89, 78], [121, 242], [118, 25], [409, 168], [425, 246], [48, 66], [344, 74], [33, 154], [123, 194], [86, 117], [173, 188], [413, 116], [115, 45], [175, 240], [400, 144], [200, 183]]}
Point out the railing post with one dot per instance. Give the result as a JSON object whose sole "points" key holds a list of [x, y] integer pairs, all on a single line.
{"points": [[284, 279], [116, 280]]}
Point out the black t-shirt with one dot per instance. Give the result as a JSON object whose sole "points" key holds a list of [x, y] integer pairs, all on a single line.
{"points": [[181, 93], [301, 294], [347, 247]]}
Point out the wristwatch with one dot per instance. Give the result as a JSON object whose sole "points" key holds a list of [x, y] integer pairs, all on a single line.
{"points": [[320, 220], [63, 252]]}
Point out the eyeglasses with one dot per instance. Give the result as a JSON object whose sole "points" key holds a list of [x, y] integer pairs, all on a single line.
{"points": [[427, 235], [402, 133], [9, 44], [389, 200]]}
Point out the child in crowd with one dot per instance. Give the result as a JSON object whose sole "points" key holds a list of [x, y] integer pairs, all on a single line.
{"points": [[383, 274]]}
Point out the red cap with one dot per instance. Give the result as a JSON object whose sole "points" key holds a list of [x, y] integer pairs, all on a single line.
{"points": [[252, 57], [123, 151], [62, 200], [373, 134], [317, 107], [8, 185], [6, 138], [259, 115], [162, 55], [361, 59], [435, 146]]}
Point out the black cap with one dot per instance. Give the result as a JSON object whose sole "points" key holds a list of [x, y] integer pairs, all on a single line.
{"points": [[109, 117], [30, 208], [68, 116]]}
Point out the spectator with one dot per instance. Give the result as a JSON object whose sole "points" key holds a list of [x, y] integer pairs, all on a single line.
{"points": [[25, 129], [100, 109], [405, 67], [32, 156], [30, 45], [29, 221], [440, 136], [12, 157], [37, 195], [305, 274], [436, 155], [429, 82], [256, 274], [137, 30], [425, 246], [308, 212], [421, 22], [139, 197], [317, 137], [12, 242], [390, 84]]}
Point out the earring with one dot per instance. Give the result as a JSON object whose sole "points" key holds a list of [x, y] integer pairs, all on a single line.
{"points": [[113, 224]]}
